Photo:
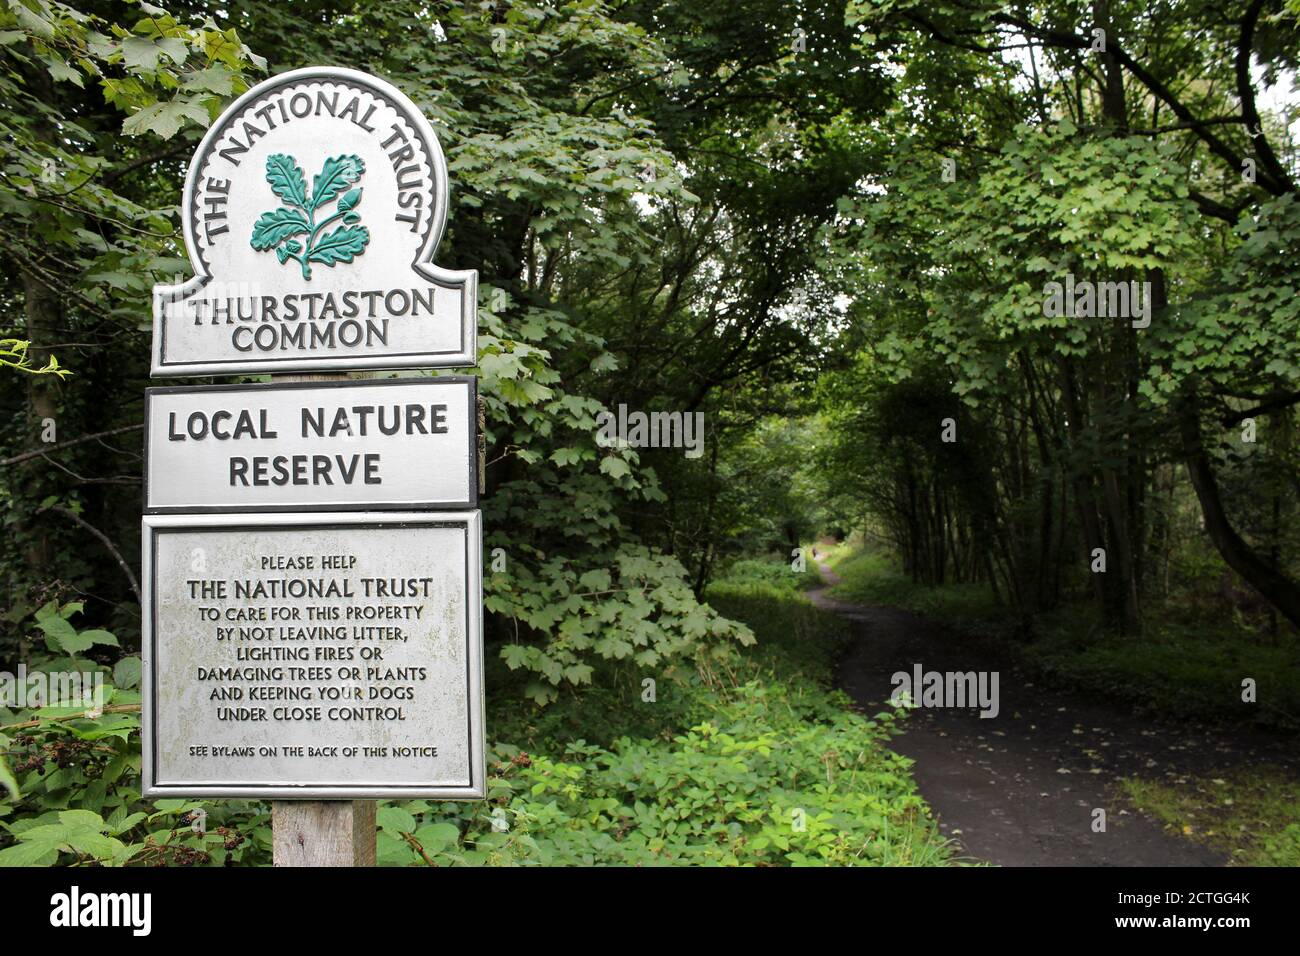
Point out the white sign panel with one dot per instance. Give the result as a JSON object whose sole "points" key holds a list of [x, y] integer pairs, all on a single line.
{"points": [[352, 445], [313, 656], [313, 209]]}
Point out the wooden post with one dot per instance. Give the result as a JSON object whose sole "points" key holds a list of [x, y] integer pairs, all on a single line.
{"points": [[322, 832]]}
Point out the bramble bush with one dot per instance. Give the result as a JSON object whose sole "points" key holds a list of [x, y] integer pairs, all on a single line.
{"points": [[71, 775]]}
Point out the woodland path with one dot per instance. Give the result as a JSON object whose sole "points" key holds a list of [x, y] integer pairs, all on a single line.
{"points": [[1019, 789]]}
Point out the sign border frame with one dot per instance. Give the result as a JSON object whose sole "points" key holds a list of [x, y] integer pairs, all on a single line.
{"points": [[152, 525], [256, 387], [465, 280]]}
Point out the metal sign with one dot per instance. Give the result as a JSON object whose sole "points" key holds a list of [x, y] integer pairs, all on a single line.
{"points": [[335, 446], [313, 656], [313, 209]]}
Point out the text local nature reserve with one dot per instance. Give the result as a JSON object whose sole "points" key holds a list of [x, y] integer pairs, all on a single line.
{"points": [[357, 420]]}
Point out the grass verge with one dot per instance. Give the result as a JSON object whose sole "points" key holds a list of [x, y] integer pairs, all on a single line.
{"points": [[1252, 816]]}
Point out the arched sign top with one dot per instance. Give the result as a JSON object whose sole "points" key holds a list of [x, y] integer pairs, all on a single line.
{"points": [[313, 210]]}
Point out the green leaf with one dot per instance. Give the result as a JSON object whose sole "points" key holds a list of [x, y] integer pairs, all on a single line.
{"points": [[140, 55], [81, 830], [341, 245], [395, 820], [175, 49], [96, 636], [597, 579], [215, 79], [59, 634], [121, 726], [50, 609], [275, 227], [83, 820], [61, 72], [121, 821], [164, 119], [30, 854], [76, 642], [286, 179], [30, 20], [614, 466], [94, 844], [435, 837], [126, 673], [337, 174]]}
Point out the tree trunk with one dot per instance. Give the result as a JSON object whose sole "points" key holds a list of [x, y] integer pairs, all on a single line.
{"points": [[1277, 588], [43, 314]]}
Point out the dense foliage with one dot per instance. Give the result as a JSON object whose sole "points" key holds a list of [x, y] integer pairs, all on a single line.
{"points": [[1076, 451]]}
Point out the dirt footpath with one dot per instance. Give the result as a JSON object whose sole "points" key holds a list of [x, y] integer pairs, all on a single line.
{"points": [[1019, 789]]}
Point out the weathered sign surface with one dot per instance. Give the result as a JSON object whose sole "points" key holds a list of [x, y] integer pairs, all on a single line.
{"points": [[313, 656], [395, 444], [313, 209]]}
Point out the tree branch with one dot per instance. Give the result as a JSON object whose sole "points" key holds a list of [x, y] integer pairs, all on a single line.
{"points": [[1246, 93], [103, 539], [178, 148], [68, 444], [1272, 405], [1147, 79], [1278, 589]]}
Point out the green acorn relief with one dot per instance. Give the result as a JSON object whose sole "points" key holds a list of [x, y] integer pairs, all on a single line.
{"points": [[277, 229]]}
